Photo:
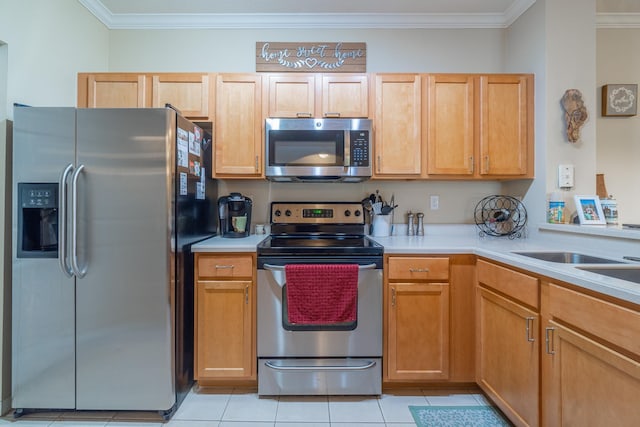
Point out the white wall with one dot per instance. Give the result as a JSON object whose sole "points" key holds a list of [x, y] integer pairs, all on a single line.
{"points": [[234, 50], [570, 64], [526, 49], [618, 147], [45, 44]]}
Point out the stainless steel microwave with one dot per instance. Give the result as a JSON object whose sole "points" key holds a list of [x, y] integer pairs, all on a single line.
{"points": [[318, 150]]}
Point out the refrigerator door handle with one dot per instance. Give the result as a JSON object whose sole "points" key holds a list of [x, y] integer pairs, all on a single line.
{"points": [[79, 272], [63, 256]]}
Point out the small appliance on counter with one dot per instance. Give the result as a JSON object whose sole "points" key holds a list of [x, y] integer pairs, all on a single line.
{"points": [[234, 212]]}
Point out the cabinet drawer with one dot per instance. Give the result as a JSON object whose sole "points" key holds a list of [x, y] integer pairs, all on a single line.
{"points": [[418, 268], [225, 266], [517, 285], [618, 325]]}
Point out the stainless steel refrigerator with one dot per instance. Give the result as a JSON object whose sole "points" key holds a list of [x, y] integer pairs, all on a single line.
{"points": [[106, 204]]}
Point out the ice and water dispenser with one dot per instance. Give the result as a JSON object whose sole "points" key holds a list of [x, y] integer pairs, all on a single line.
{"points": [[37, 220]]}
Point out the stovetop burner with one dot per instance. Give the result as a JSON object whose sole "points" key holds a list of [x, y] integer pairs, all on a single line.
{"points": [[318, 229], [319, 245]]}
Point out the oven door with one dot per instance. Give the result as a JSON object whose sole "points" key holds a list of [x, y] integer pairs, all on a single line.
{"points": [[276, 337]]}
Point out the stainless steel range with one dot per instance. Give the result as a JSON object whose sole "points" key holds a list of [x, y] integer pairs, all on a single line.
{"points": [[326, 355]]}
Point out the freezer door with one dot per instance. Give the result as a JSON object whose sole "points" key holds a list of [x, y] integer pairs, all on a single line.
{"points": [[43, 297], [125, 318]]}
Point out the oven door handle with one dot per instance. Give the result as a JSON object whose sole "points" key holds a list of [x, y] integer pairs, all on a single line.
{"points": [[273, 267], [367, 365]]}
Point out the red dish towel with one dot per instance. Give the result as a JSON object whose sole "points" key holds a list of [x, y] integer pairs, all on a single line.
{"points": [[322, 293]]}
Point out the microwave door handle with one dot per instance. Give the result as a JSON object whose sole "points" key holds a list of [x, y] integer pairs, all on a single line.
{"points": [[347, 149]]}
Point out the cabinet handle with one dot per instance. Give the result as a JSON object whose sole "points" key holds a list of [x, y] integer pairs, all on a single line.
{"points": [[548, 338], [303, 115], [332, 115], [220, 267], [393, 297], [486, 164], [530, 337], [246, 295], [418, 270], [471, 165], [257, 164], [378, 164]]}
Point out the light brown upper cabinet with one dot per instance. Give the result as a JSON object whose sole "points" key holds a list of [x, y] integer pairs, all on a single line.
{"points": [[191, 93], [397, 124], [113, 90], [450, 124], [238, 126], [479, 126], [506, 126], [304, 95]]}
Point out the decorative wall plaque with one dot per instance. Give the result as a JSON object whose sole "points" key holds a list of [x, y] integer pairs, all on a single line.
{"points": [[619, 100], [311, 57]]}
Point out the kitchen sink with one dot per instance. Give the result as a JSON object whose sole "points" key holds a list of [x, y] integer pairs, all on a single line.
{"points": [[629, 273], [568, 258]]}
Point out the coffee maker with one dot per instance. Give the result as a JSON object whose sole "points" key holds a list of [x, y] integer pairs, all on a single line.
{"points": [[234, 212]]}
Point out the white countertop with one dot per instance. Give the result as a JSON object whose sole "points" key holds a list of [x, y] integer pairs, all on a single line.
{"points": [[464, 239], [227, 244]]}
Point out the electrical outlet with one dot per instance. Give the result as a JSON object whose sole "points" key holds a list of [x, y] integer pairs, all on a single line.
{"points": [[565, 176], [434, 202]]}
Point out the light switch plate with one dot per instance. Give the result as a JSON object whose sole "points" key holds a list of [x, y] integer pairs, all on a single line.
{"points": [[566, 176]]}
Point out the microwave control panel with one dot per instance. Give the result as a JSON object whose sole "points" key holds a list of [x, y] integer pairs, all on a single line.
{"points": [[359, 147]]}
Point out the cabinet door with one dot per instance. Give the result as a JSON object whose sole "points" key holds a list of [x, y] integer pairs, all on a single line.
{"points": [[450, 126], [291, 95], [591, 384], [507, 356], [418, 331], [188, 92], [224, 344], [506, 125], [397, 121], [345, 96], [113, 90], [238, 126]]}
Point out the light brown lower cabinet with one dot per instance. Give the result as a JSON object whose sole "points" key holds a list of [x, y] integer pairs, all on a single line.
{"points": [[591, 361], [225, 315], [428, 319], [508, 341], [508, 356], [417, 318]]}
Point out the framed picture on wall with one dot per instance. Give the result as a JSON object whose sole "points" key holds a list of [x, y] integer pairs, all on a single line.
{"points": [[620, 100], [589, 210]]}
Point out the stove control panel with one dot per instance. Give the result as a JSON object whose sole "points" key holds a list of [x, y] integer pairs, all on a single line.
{"points": [[316, 213]]}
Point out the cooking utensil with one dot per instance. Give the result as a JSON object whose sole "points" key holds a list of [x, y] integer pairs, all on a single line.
{"points": [[377, 208], [393, 198], [387, 209]]}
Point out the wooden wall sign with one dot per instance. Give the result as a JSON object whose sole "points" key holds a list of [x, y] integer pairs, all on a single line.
{"points": [[311, 57]]}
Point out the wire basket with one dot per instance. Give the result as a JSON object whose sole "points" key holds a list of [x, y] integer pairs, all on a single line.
{"points": [[500, 216]]}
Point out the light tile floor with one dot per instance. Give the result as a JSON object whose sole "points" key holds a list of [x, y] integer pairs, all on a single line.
{"points": [[241, 408]]}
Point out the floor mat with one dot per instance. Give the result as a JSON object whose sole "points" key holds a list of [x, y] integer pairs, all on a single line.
{"points": [[457, 416]]}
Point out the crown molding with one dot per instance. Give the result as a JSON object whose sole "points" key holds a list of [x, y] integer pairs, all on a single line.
{"points": [[305, 21], [334, 20], [618, 20]]}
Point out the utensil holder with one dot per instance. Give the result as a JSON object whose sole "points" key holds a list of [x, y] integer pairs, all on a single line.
{"points": [[381, 225]]}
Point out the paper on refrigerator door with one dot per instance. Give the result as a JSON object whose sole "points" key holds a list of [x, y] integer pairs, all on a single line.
{"points": [[200, 186], [183, 184]]}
